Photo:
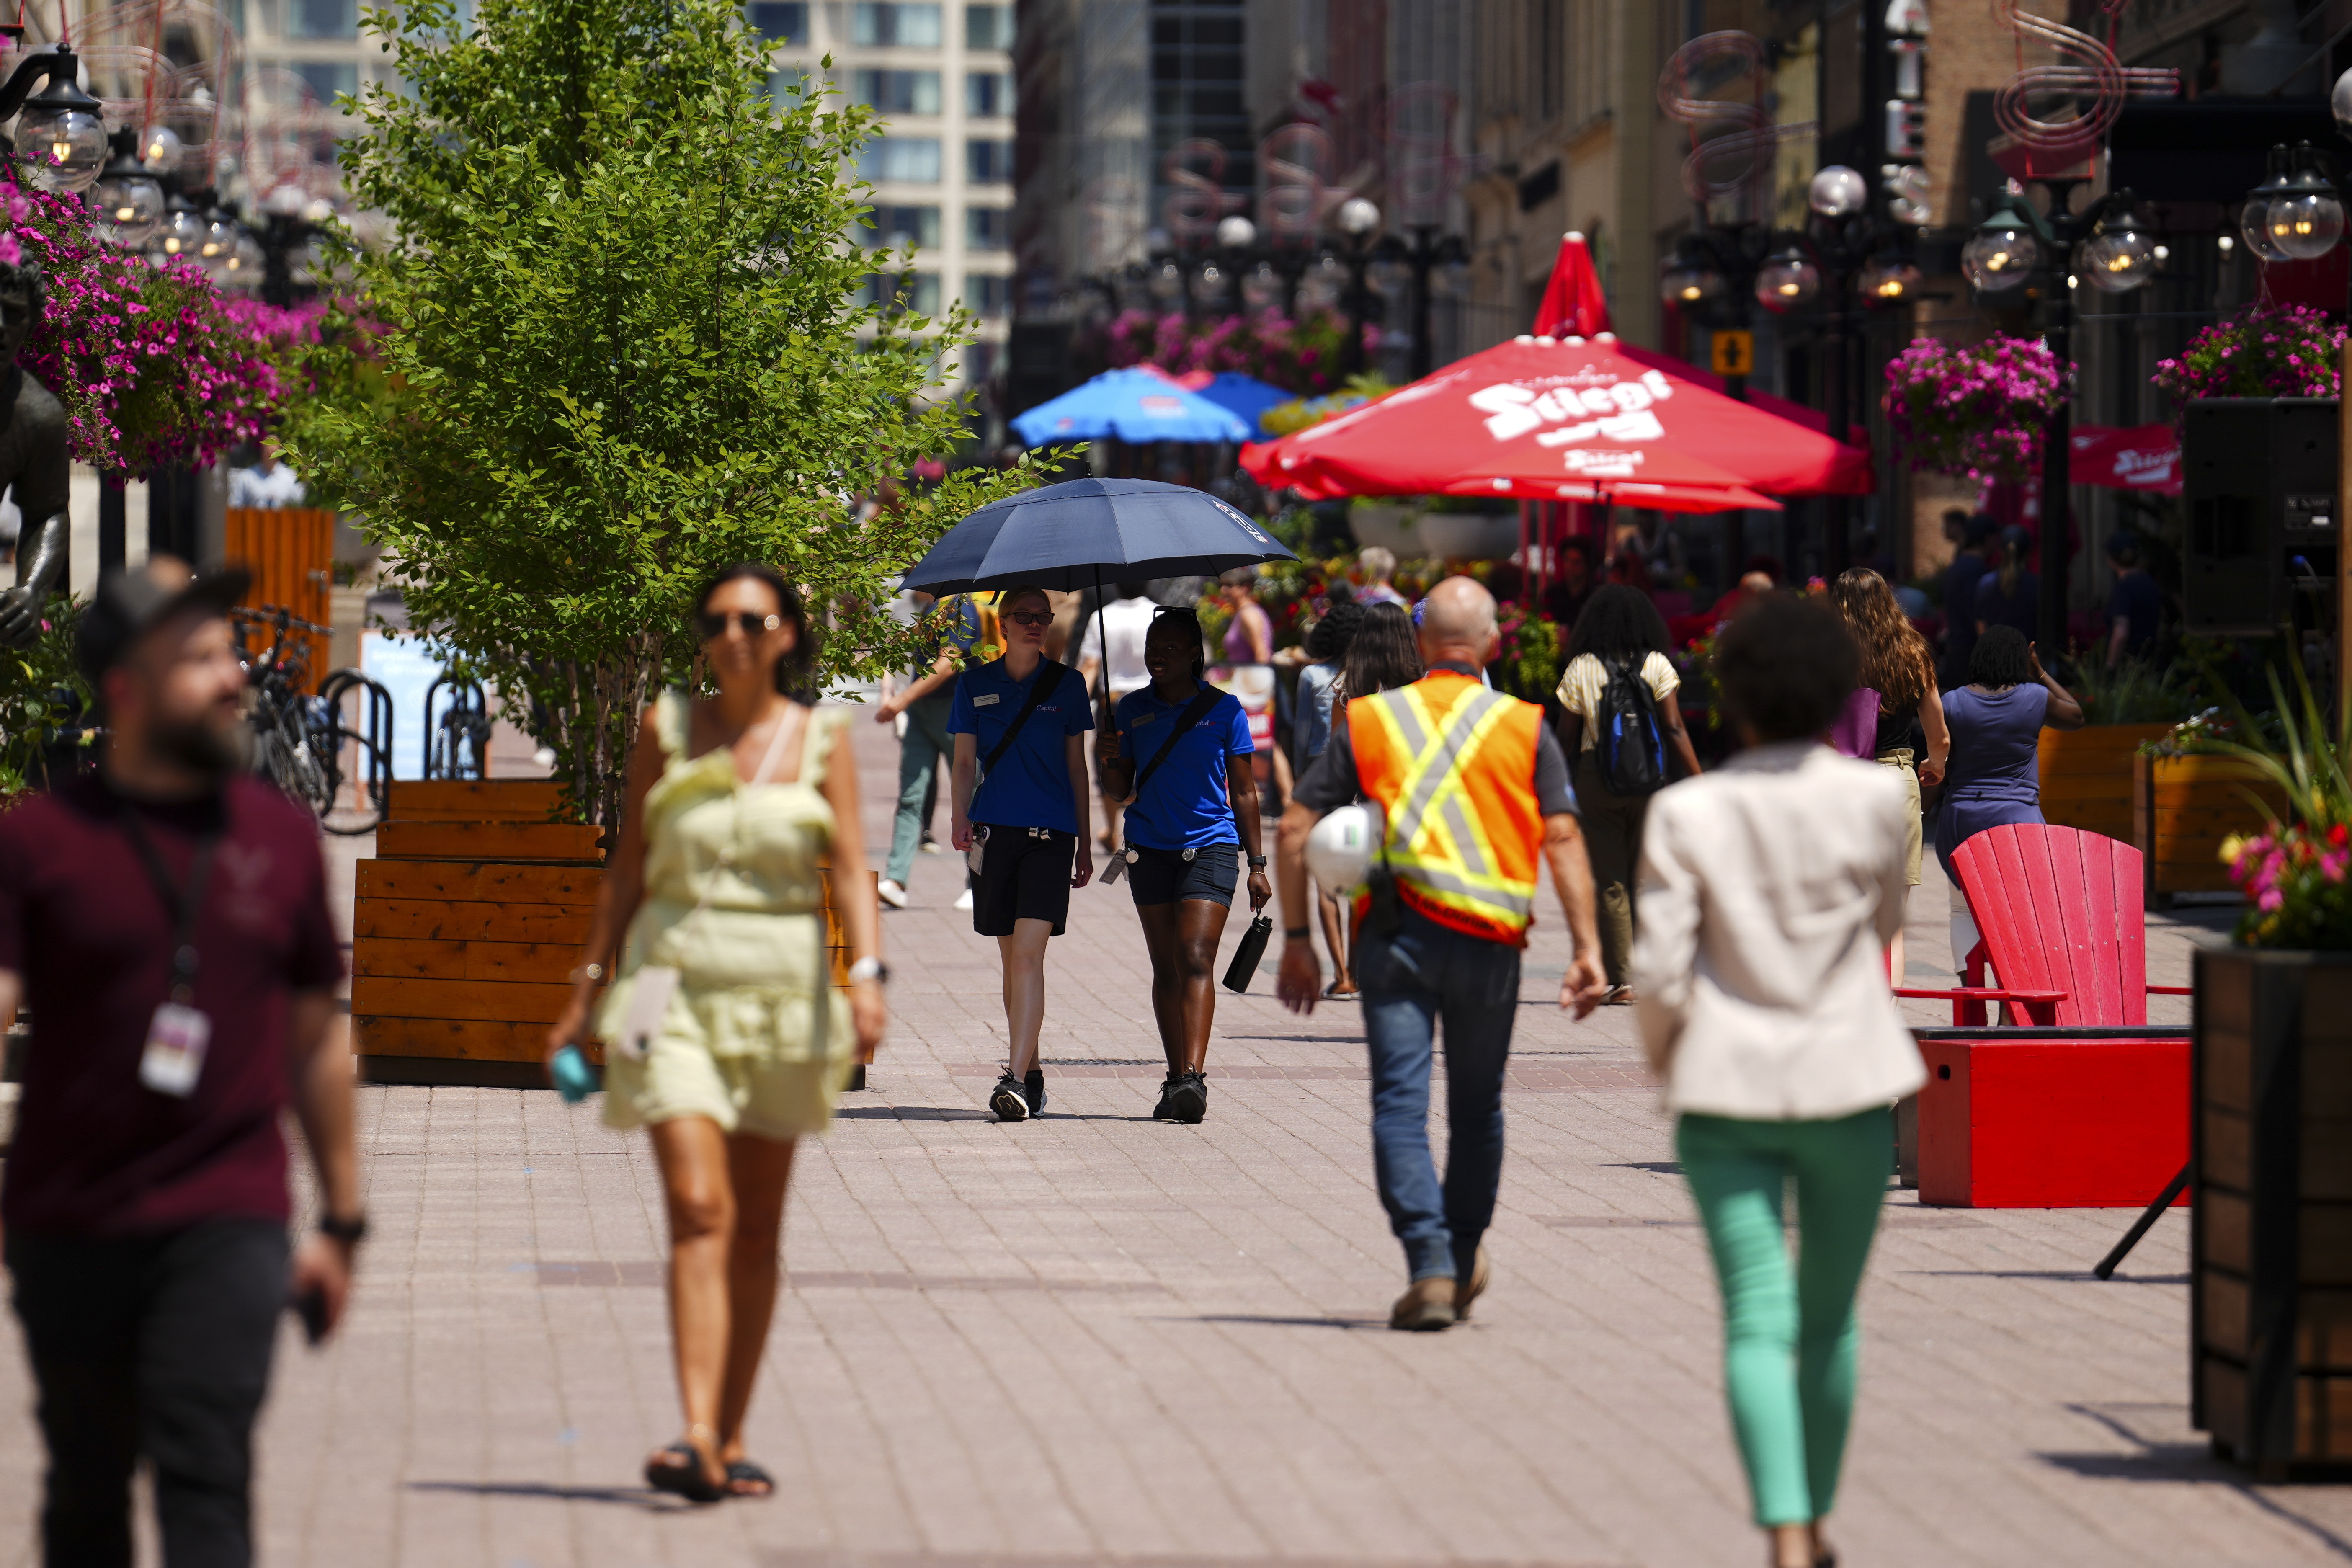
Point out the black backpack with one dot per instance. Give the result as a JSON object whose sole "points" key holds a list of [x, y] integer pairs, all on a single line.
{"points": [[1630, 742]]}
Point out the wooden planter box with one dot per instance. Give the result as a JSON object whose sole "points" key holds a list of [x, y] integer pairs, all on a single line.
{"points": [[2182, 809], [2271, 1235], [2087, 776], [468, 923], [2006, 1121]]}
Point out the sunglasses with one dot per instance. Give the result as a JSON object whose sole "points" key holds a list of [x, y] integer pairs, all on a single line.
{"points": [[715, 625], [1031, 618]]}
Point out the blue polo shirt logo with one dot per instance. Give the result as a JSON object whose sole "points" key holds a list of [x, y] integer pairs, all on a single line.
{"points": [[1030, 785]]}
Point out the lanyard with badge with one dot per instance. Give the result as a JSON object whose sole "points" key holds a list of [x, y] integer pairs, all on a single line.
{"points": [[177, 1034]]}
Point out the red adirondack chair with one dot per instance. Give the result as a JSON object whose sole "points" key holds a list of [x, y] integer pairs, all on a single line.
{"points": [[2063, 924]]}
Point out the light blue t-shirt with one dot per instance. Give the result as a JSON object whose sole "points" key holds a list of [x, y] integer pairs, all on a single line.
{"points": [[1030, 785], [1184, 804], [1311, 731]]}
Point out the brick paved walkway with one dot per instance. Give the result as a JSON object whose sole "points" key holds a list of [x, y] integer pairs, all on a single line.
{"points": [[1094, 1339]]}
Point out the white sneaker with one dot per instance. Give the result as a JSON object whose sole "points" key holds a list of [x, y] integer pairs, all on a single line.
{"points": [[892, 894], [963, 902]]}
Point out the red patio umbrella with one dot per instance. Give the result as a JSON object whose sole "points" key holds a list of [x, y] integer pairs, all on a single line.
{"points": [[1562, 419]]}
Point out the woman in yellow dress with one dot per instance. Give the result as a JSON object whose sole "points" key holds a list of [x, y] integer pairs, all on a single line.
{"points": [[723, 1033]]}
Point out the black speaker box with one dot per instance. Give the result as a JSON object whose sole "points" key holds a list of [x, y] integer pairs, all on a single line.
{"points": [[2259, 477]]}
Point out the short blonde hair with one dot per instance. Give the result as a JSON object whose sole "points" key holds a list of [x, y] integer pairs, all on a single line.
{"points": [[1379, 564]]}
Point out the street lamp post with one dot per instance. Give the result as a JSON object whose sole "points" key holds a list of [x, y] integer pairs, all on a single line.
{"points": [[1358, 219], [1427, 253]]}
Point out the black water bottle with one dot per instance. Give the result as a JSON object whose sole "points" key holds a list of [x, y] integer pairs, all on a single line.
{"points": [[1250, 953]]}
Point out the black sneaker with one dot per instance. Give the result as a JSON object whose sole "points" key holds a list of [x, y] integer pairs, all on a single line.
{"points": [[1007, 1101], [1032, 1090], [1165, 1111], [1188, 1098]]}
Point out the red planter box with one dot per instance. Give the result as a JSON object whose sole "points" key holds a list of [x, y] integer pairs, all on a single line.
{"points": [[2008, 1123]]}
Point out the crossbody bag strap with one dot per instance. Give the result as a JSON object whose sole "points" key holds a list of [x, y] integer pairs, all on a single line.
{"points": [[1049, 678], [1194, 711]]}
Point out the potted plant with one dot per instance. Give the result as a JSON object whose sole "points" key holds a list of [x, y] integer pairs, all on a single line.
{"points": [[2263, 351], [2086, 773], [2270, 1160], [1975, 411]]}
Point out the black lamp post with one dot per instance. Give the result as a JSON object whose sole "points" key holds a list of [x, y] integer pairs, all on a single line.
{"points": [[2013, 242], [60, 142], [1427, 251]]}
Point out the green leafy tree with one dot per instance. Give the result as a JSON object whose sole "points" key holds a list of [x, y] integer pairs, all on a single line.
{"points": [[618, 345]]}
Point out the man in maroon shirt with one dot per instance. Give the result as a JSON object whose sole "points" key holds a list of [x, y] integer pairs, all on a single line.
{"points": [[166, 922]]}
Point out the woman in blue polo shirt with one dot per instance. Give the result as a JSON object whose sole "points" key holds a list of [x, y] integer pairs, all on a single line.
{"points": [[1193, 803], [1031, 811]]}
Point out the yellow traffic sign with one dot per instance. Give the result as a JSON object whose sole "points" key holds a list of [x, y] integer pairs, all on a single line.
{"points": [[1735, 352]]}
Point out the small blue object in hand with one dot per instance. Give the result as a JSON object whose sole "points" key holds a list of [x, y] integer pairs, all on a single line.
{"points": [[574, 1078]]}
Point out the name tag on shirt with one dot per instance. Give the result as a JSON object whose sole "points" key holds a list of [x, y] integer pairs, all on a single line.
{"points": [[175, 1057], [1142, 719], [990, 700]]}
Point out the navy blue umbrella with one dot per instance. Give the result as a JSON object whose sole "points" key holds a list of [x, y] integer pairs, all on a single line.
{"points": [[1078, 533]]}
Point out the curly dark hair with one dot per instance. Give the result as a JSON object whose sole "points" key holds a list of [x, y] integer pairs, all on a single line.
{"points": [[1616, 621], [1785, 665], [1335, 630], [2002, 657], [796, 672]]}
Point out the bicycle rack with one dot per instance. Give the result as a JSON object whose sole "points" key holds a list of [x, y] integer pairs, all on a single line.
{"points": [[373, 738], [463, 728]]}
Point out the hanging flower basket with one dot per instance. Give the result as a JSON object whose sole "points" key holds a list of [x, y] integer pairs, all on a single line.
{"points": [[1973, 411], [2263, 351], [1302, 355]]}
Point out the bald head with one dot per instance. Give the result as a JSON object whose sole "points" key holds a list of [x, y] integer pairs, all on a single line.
{"points": [[1457, 622]]}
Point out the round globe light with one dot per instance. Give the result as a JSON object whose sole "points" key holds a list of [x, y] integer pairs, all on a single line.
{"points": [[1262, 287], [181, 234], [285, 200], [1358, 217], [130, 207], [1787, 281], [2120, 260], [1687, 284], [2254, 229], [1388, 276], [1324, 285], [245, 265], [1890, 281], [2307, 223], [1167, 283], [160, 149], [61, 149], [1236, 233], [2339, 101], [1838, 191], [1209, 283], [2001, 258]]}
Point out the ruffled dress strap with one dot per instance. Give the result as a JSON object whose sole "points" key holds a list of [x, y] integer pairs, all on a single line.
{"points": [[826, 727], [673, 711]]}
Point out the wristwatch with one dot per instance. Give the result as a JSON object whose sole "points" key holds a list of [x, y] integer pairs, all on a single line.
{"points": [[872, 969], [1257, 862], [350, 1232]]}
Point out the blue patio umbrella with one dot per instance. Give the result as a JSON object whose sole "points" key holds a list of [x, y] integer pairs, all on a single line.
{"points": [[1245, 395], [1080, 532], [1133, 406]]}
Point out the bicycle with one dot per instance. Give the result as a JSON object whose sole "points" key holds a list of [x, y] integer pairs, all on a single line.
{"points": [[295, 745]]}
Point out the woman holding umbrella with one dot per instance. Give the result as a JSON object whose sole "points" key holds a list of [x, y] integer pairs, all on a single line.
{"points": [[1023, 717], [1178, 755]]}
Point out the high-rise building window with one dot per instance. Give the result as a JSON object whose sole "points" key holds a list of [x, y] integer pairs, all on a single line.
{"points": [[322, 19], [325, 79], [987, 161], [989, 298], [1198, 52], [897, 92], [778, 21], [988, 26], [988, 228], [791, 83], [893, 226], [908, 160], [987, 93], [917, 292], [915, 27]]}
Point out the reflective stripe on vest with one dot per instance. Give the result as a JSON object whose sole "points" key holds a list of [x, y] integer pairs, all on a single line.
{"points": [[1453, 766]]}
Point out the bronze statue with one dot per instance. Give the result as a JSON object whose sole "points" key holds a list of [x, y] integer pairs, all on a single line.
{"points": [[32, 460]]}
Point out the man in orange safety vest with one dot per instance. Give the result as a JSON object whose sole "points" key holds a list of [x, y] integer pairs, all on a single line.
{"points": [[1472, 788]]}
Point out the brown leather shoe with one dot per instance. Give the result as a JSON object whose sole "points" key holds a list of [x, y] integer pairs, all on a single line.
{"points": [[1426, 1308], [1468, 1290]]}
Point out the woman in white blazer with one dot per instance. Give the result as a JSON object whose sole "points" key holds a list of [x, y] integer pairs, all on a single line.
{"points": [[1769, 890]]}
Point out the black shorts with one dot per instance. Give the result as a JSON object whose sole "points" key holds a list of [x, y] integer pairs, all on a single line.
{"points": [[1165, 877], [1023, 876]]}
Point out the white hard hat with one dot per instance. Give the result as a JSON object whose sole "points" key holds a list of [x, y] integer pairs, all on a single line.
{"points": [[1339, 848]]}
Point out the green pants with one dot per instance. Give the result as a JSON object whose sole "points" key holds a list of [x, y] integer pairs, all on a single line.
{"points": [[1790, 1336], [1612, 841]]}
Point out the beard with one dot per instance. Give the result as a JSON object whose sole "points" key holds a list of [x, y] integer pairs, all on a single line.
{"points": [[215, 747]]}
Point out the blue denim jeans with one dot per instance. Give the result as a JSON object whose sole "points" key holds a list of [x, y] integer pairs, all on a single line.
{"points": [[927, 740], [1425, 975]]}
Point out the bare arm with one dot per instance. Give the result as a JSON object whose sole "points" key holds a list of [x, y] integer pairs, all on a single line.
{"points": [[1241, 788], [1585, 984], [1259, 629], [322, 1104], [962, 778], [1671, 711], [2117, 639], [943, 670], [2064, 712], [1118, 772], [1939, 735], [861, 917], [1082, 807], [1301, 980], [618, 895]]}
